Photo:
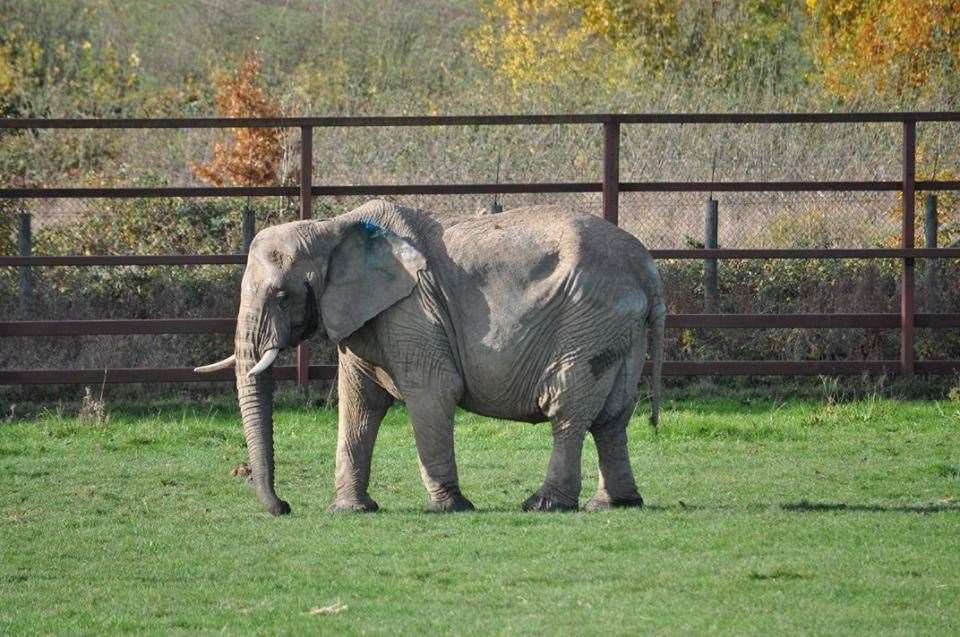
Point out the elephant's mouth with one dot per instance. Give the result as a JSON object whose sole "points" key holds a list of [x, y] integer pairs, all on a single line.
{"points": [[311, 316]]}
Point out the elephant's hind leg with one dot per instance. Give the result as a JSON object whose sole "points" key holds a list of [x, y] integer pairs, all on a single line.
{"points": [[571, 408], [616, 487], [363, 404], [432, 415]]}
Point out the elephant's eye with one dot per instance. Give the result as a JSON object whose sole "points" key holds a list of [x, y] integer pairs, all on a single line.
{"points": [[282, 295]]}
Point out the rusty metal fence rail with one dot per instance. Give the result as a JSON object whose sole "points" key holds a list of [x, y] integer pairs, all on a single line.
{"points": [[609, 185]]}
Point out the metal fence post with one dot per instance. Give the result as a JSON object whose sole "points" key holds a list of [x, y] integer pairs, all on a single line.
{"points": [[907, 285], [25, 249], [249, 226], [611, 172], [930, 228], [711, 287], [306, 212]]}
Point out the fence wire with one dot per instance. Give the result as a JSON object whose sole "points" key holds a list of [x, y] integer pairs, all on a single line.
{"points": [[765, 220], [435, 155]]}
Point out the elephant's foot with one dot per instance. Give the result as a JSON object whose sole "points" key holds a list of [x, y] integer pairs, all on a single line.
{"points": [[603, 502], [363, 504], [275, 506], [449, 504], [268, 500], [540, 501]]}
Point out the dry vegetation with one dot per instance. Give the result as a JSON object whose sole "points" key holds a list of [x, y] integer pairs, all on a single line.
{"points": [[164, 58]]}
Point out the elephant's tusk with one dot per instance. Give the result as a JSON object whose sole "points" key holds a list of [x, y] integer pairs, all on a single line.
{"points": [[268, 357], [212, 367]]}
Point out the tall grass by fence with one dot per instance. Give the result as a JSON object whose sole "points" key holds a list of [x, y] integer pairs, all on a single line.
{"points": [[609, 187]]}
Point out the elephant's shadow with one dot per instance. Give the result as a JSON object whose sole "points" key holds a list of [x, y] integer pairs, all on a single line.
{"points": [[807, 506]]}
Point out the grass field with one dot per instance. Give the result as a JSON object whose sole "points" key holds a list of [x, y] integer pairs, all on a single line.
{"points": [[762, 517]]}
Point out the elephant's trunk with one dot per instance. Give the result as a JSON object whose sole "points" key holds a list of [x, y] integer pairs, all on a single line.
{"points": [[255, 395]]}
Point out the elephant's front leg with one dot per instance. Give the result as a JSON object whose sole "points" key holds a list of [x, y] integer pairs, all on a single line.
{"points": [[362, 406], [432, 417]]}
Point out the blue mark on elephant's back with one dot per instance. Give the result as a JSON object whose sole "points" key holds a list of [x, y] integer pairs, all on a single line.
{"points": [[372, 233], [371, 229], [374, 243]]}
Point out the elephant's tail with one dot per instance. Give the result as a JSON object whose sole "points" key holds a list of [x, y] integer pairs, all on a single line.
{"points": [[658, 319]]}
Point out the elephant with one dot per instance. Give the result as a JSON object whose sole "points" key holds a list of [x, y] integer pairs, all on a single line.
{"points": [[534, 314]]}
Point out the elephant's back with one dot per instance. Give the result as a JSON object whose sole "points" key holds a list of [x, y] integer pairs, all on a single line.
{"points": [[537, 243]]}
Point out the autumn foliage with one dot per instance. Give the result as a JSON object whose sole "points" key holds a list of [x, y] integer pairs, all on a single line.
{"points": [[252, 156], [854, 49], [554, 41], [619, 43], [887, 47]]}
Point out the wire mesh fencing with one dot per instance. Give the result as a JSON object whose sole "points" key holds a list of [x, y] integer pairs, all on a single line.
{"points": [[561, 160]]}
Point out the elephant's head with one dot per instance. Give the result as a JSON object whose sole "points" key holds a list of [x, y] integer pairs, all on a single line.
{"points": [[333, 275]]}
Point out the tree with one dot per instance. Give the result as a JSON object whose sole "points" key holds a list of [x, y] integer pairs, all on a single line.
{"points": [[617, 43], [253, 156], [52, 66], [530, 42], [885, 47]]}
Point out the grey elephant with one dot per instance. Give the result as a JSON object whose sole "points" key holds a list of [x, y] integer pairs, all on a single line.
{"points": [[534, 314]]}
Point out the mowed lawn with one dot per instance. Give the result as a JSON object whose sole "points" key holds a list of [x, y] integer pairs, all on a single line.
{"points": [[762, 517]]}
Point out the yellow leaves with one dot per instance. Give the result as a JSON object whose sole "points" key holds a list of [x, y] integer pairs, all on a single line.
{"points": [[862, 48], [884, 46], [686, 341], [252, 157], [54, 76], [553, 42], [8, 75], [19, 61]]}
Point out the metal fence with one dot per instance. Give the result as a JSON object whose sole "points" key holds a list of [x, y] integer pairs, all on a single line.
{"points": [[610, 186]]}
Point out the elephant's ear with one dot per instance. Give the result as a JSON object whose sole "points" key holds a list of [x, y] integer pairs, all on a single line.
{"points": [[369, 270]]}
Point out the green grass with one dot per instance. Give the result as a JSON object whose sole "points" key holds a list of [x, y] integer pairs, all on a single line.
{"points": [[762, 518]]}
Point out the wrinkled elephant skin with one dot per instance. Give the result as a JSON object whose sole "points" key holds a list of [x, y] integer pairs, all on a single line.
{"points": [[537, 314]]}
